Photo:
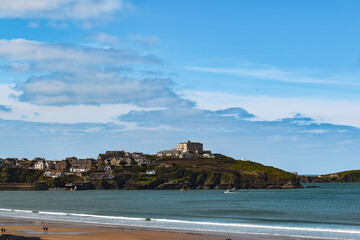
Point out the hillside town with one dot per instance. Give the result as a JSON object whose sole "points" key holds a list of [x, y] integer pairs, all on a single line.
{"points": [[102, 167]]}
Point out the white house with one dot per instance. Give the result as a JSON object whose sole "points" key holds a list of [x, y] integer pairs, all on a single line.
{"points": [[39, 165], [78, 170], [150, 172]]}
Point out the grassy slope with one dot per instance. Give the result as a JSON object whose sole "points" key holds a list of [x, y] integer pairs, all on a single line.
{"points": [[19, 175], [196, 173], [346, 176], [228, 164], [223, 171]]}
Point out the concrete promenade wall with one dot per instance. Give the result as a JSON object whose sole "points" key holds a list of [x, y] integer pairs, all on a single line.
{"points": [[23, 186]]}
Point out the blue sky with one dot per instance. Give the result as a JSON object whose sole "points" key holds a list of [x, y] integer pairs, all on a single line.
{"points": [[276, 82]]}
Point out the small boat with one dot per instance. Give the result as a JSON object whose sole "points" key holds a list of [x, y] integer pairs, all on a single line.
{"points": [[230, 190], [73, 189], [184, 189]]}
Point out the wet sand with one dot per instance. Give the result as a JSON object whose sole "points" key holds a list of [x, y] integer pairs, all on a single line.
{"points": [[79, 231]]}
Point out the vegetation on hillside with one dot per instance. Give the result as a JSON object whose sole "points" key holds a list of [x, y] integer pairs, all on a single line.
{"points": [[201, 173], [345, 176], [20, 175], [170, 173]]}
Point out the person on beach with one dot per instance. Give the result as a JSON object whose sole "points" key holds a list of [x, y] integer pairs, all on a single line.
{"points": [[43, 230], [46, 229]]}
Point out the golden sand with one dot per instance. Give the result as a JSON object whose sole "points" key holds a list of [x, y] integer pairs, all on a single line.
{"points": [[77, 231]]}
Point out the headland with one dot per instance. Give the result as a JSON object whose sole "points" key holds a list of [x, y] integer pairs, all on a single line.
{"points": [[186, 167]]}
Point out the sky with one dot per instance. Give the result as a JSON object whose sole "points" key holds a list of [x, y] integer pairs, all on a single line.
{"points": [[276, 82]]}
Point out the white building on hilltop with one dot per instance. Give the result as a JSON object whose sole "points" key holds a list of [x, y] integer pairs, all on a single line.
{"points": [[185, 150], [190, 147]]}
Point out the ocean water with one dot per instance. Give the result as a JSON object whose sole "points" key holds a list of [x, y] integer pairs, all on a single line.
{"points": [[329, 212]]}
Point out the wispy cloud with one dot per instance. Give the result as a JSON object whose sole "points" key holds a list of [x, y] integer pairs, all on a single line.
{"points": [[305, 76], [229, 120], [105, 38], [268, 108], [145, 41], [76, 10]]}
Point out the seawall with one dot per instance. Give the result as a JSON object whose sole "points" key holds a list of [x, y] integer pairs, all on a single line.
{"points": [[23, 186]]}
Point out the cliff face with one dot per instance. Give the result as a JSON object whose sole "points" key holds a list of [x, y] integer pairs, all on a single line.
{"points": [[223, 173]]}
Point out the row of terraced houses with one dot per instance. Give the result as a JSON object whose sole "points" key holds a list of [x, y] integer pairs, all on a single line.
{"points": [[106, 161]]}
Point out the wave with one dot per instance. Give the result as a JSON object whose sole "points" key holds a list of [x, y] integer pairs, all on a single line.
{"points": [[187, 225]]}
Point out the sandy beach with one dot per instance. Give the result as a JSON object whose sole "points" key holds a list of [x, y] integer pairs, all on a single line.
{"points": [[78, 231]]}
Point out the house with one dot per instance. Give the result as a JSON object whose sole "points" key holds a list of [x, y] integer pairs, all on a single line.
{"points": [[208, 155], [186, 155], [141, 160], [150, 172], [129, 161], [59, 174], [109, 155], [169, 153], [39, 164], [137, 154], [78, 170], [61, 165], [101, 175], [10, 162], [24, 163], [49, 165], [116, 161], [165, 165], [107, 168], [213, 155], [76, 163], [52, 174]]}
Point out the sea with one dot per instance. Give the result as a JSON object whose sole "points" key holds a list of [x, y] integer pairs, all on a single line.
{"points": [[331, 211]]}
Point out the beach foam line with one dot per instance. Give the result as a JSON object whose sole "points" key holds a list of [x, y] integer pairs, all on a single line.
{"points": [[105, 217], [330, 230], [6, 210], [192, 223], [23, 211]]}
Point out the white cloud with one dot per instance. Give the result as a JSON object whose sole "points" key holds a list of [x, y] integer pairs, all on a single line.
{"points": [[99, 88], [70, 75], [82, 10], [54, 114], [46, 56], [271, 108]]}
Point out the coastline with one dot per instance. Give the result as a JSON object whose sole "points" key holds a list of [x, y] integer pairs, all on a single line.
{"points": [[81, 231]]}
